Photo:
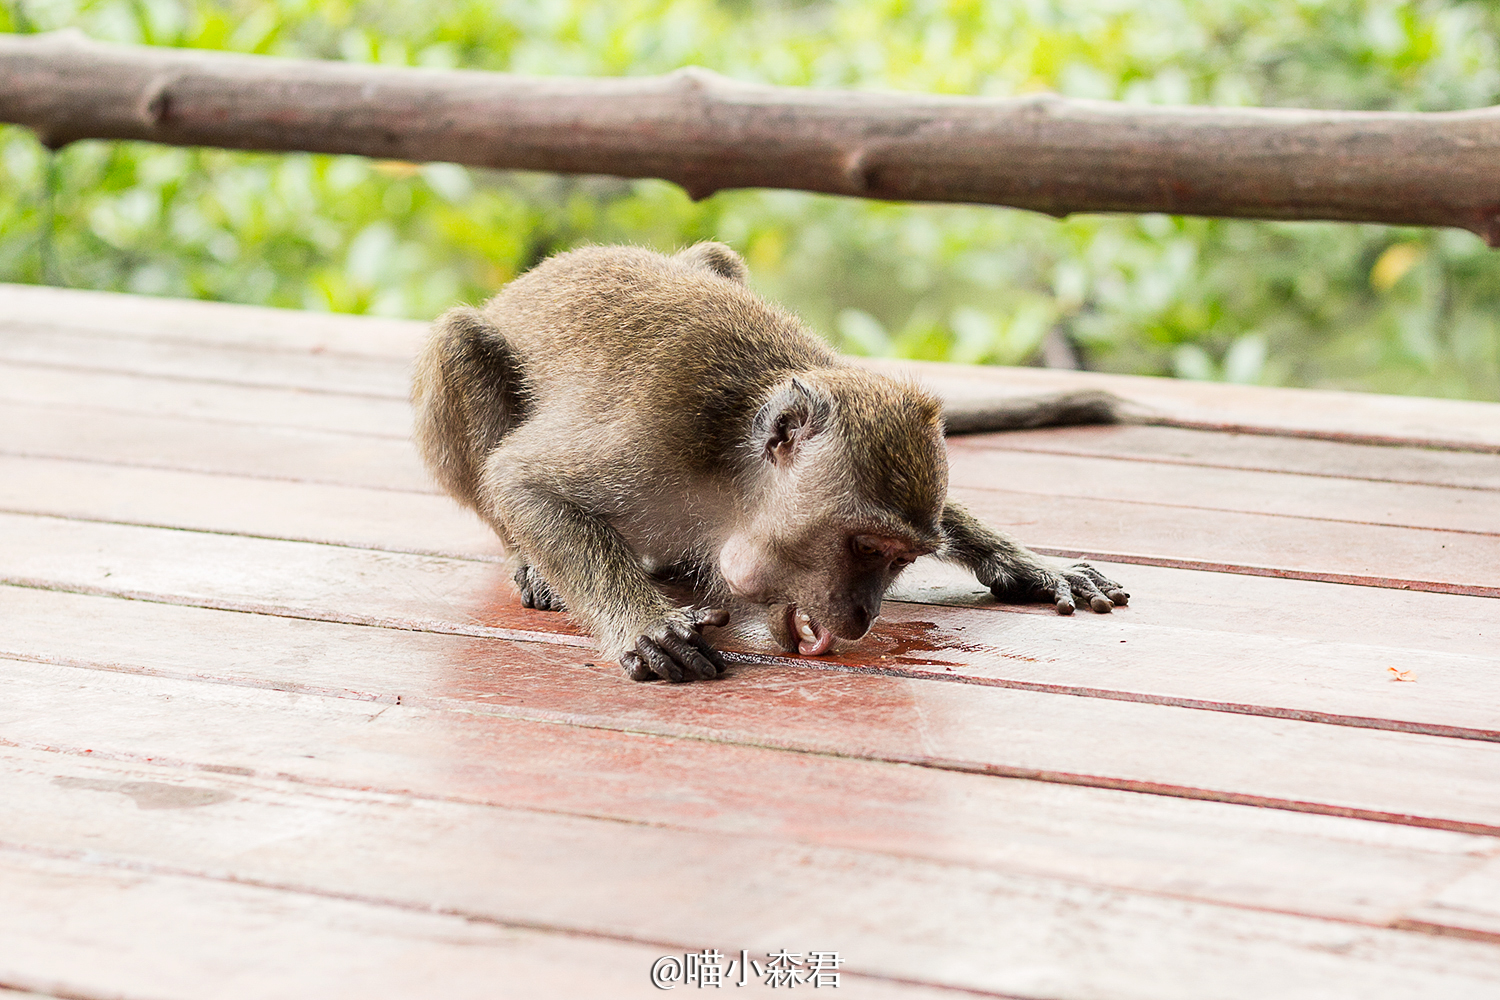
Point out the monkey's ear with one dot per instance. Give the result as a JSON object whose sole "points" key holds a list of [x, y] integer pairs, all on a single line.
{"points": [[718, 258], [793, 414]]}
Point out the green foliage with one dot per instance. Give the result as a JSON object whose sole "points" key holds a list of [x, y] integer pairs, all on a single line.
{"points": [[1407, 311]]}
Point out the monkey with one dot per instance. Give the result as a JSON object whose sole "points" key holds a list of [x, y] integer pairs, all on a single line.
{"points": [[621, 418]]}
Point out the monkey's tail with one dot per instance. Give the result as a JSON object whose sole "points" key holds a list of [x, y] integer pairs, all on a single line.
{"points": [[1085, 406], [468, 391]]}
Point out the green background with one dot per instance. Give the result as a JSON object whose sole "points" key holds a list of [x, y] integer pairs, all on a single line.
{"points": [[1311, 304]]}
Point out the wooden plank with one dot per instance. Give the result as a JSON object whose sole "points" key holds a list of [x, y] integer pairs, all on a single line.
{"points": [[1289, 495], [188, 443], [1296, 862], [1392, 777], [164, 397], [145, 395], [84, 349], [1348, 416], [1152, 533], [214, 324], [93, 931], [887, 916], [1257, 544], [1257, 452], [1470, 906], [1337, 416], [393, 520], [1288, 648], [214, 448], [356, 516]]}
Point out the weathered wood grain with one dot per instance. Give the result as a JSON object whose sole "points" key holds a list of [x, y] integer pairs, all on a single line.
{"points": [[1391, 776], [69, 348], [1288, 495], [1153, 533], [1256, 452], [392, 520], [45, 309], [654, 883], [1315, 648], [104, 395], [708, 133], [52, 325], [1368, 555], [174, 443], [98, 932], [1470, 905]]}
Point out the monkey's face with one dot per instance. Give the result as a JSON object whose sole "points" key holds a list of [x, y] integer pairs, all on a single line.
{"points": [[824, 581], [825, 585], [848, 491]]}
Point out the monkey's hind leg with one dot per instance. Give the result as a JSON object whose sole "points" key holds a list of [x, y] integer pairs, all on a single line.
{"points": [[469, 391], [1015, 573]]}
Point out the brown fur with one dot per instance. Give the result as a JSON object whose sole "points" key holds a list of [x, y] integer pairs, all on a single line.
{"points": [[615, 413]]}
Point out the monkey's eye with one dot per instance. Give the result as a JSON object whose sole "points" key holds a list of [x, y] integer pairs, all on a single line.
{"points": [[864, 548], [900, 562]]}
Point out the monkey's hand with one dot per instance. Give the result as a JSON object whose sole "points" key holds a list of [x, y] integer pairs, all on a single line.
{"points": [[534, 590], [1036, 582], [676, 650]]}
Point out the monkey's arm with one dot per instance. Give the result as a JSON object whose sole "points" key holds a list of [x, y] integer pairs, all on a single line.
{"points": [[586, 561], [1014, 573]]}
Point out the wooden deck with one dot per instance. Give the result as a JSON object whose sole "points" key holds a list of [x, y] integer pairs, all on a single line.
{"points": [[274, 725]]}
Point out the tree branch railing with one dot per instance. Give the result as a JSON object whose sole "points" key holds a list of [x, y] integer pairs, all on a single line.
{"points": [[708, 133]]}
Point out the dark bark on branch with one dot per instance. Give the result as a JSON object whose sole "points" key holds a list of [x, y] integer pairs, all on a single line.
{"points": [[708, 133]]}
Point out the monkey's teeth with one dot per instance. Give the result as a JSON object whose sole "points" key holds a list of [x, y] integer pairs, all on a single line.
{"points": [[804, 628]]}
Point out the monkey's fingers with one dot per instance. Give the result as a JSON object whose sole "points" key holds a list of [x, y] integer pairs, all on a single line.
{"points": [[635, 667], [1112, 590], [1062, 594], [687, 653], [661, 664], [1081, 579], [523, 584], [707, 650], [717, 617]]}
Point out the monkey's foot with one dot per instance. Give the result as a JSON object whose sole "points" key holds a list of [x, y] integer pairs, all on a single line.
{"points": [[1061, 586], [677, 650], [534, 591]]}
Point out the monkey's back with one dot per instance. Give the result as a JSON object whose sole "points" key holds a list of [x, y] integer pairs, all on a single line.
{"points": [[626, 334]]}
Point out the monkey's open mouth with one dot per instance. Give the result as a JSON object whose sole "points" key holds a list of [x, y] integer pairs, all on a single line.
{"points": [[812, 639]]}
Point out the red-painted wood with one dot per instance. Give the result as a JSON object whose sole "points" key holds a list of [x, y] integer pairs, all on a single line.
{"points": [[92, 393], [363, 342], [1259, 544], [295, 368], [1153, 533], [291, 453], [669, 882], [1388, 776], [1291, 495], [1189, 637], [211, 324]]}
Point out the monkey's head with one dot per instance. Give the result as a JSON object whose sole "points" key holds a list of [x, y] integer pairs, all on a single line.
{"points": [[847, 480]]}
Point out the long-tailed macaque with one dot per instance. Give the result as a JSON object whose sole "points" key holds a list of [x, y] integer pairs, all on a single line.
{"points": [[620, 417]]}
